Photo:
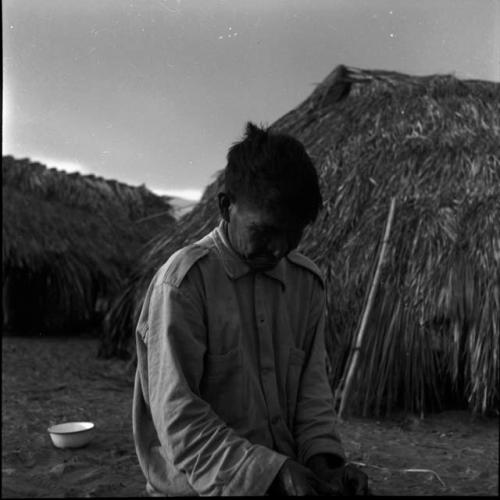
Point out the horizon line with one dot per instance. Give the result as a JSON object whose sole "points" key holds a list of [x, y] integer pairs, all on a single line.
{"points": [[190, 194]]}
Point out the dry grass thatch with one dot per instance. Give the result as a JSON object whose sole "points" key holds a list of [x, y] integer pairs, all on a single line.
{"points": [[434, 144], [70, 238]]}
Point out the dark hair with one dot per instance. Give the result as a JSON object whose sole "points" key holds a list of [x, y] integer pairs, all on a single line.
{"points": [[274, 170]]}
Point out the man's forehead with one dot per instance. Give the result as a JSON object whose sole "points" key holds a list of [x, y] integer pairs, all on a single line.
{"points": [[264, 215]]}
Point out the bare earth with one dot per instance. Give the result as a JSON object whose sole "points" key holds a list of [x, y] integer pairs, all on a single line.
{"points": [[49, 381]]}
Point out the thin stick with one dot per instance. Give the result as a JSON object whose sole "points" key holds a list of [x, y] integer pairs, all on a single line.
{"points": [[434, 473], [368, 306], [386, 469]]}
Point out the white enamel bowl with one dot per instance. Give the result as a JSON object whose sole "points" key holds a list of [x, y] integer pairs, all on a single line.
{"points": [[71, 434]]}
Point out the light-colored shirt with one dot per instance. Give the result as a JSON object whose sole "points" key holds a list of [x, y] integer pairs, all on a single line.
{"points": [[231, 377]]}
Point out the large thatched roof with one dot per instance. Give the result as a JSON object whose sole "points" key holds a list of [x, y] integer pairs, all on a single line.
{"points": [[83, 231], [433, 143]]}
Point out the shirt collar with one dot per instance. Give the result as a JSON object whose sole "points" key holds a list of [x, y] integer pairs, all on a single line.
{"points": [[234, 266]]}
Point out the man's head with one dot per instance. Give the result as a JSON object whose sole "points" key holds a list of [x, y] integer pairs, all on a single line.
{"points": [[271, 194]]}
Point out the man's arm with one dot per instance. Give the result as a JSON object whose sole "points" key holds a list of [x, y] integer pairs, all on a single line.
{"points": [[214, 458], [314, 428], [319, 444]]}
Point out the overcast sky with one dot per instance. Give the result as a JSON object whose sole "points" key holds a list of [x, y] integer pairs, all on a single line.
{"points": [[155, 91]]}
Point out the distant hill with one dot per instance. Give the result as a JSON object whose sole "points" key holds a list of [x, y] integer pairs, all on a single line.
{"points": [[181, 206]]}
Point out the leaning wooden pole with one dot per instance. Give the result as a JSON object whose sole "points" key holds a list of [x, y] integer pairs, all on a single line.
{"points": [[367, 309]]}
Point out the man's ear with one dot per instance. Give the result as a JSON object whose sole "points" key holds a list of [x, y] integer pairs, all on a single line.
{"points": [[224, 203]]}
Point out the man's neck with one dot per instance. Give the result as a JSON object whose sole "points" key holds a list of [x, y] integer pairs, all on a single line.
{"points": [[227, 237]]}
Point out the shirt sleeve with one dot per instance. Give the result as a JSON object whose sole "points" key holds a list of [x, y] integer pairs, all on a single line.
{"points": [[314, 428], [214, 458]]}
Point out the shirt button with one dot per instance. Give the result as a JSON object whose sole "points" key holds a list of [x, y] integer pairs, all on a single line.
{"points": [[275, 420]]}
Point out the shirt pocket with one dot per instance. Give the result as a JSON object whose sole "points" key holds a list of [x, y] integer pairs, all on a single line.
{"points": [[296, 358], [223, 385]]}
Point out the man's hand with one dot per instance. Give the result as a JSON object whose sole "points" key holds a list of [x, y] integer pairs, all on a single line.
{"points": [[293, 479], [346, 479], [350, 480]]}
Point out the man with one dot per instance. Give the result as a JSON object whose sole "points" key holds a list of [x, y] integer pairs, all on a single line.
{"points": [[231, 394]]}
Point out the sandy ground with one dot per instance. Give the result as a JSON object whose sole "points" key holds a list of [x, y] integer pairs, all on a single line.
{"points": [[48, 381]]}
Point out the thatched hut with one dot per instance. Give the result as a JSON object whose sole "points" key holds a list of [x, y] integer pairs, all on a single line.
{"points": [[433, 143], [68, 242]]}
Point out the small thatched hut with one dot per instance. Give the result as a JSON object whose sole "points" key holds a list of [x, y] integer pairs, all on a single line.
{"points": [[68, 242], [433, 143]]}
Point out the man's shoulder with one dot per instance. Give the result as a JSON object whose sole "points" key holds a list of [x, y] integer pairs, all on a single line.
{"points": [[304, 262], [180, 263]]}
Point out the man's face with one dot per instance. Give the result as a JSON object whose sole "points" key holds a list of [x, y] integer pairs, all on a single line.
{"points": [[261, 237]]}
